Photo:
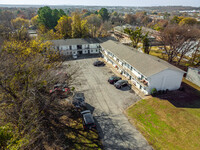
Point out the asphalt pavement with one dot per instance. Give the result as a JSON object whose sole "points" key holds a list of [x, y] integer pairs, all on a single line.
{"points": [[107, 105]]}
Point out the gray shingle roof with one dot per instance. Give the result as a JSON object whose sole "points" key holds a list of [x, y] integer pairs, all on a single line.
{"points": [[146, 64], [79, 41]]}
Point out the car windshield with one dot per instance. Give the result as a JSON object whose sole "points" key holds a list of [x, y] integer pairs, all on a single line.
{"points": [[113, 77], [79, 95]]}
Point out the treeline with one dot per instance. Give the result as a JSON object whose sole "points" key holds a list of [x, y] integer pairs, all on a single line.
{"points": [[56, 24]]}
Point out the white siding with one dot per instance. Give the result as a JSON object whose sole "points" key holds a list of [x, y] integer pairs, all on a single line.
{"points": [[94, 45], [94, 51], [193, 75], [167, 79], [74, 47], [85, 51], [136, 73]]}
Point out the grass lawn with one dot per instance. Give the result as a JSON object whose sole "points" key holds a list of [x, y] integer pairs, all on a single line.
{"points": [[165, 126], [171, 121]]}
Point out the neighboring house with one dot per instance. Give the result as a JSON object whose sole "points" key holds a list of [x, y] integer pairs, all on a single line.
{"points": [[145, 71], [119, 31], [32, 33], [193, 75]]}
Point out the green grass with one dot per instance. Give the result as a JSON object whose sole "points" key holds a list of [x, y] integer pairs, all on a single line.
{"points": [[165, 126]]}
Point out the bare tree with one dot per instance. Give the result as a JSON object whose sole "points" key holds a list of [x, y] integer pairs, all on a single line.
{"points": [[178, 41], [195, 57]]}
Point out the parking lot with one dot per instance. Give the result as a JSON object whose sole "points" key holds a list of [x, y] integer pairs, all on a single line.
{"points": [[107, 104]]}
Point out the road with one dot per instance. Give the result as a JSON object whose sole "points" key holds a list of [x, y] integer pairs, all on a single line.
{"points": [[107, 104]]}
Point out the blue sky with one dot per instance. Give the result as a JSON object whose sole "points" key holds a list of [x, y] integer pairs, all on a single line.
{"points": [[106, 2]]}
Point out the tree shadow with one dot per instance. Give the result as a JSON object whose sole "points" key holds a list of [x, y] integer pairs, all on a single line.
{"points": [[188, 97], [115, 134], [90, 107]]}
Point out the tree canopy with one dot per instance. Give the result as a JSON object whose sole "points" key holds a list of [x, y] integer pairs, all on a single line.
{"points": [[135, 35], [103, 12], [49, 17]]}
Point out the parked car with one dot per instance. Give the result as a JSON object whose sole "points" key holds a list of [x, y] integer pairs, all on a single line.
{"points": [[79, 100], [119, 84], [98, 63], [61, 90], [88, 120], [114, 79], [74, 56]]}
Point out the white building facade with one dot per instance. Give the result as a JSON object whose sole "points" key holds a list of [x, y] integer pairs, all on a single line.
{"points": [[193, 75], [77, 46], [144, 71]]}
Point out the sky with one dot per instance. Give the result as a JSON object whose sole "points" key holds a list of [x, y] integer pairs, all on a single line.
{"points": [[195, 3]]}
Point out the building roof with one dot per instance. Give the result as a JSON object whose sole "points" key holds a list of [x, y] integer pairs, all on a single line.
{"points": [[80, 41], [146, 64]]}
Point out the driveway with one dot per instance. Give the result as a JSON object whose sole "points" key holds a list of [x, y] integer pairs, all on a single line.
{"points": [[107, 104]]}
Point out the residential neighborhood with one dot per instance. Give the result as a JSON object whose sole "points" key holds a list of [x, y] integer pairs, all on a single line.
{"points": [[99, 75]]}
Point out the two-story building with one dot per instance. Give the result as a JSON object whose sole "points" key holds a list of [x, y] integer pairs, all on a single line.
{"points": [[77, 46], [145, 71]]}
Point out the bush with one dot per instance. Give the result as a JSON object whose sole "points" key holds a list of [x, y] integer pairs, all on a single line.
{"points": [[154, 91], [73, 88]]}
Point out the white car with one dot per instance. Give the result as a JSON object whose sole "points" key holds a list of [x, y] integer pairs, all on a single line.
{"points": [[74, 56]]}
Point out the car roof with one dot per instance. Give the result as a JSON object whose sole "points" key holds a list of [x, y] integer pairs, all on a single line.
{"points": [[59, 84], [114, 77], [122, 81], [79, 94], [88, 118]]}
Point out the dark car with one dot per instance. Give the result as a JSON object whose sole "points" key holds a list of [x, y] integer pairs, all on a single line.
{"points": [[61, 90], [119, 84], [88, 120], [114, 79], [79, 100], [98, 63]]}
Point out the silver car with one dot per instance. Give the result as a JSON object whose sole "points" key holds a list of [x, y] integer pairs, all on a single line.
{"points": [[79, 100]]}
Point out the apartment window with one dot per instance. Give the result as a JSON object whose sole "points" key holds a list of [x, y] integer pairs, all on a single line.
{"points": [[87, 46], [79, 46], [91, 50], [96, 50]]}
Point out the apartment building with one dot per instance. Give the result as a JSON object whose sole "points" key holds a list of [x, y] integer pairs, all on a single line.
{"points": [[77, 46], [144, 71]]}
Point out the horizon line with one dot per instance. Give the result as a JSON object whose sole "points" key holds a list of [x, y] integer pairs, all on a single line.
{"points": [[98, 5]]}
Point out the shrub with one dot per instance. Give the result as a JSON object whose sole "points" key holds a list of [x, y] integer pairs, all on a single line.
{"points": [[154, 91]]}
